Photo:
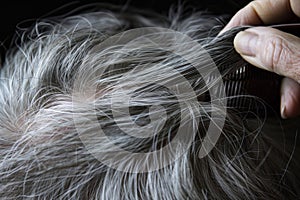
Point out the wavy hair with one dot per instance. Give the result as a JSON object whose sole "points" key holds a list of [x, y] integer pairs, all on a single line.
{"points": [[59, 87]]}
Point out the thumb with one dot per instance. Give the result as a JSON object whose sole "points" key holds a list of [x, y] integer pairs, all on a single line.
{"points": [[270, 49]]}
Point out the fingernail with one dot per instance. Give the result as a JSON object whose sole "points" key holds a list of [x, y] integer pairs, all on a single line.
{"points": [[245, 43], [283, 108]]}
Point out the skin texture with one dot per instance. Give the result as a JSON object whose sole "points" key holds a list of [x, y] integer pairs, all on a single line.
{"points": [[271, 49]]}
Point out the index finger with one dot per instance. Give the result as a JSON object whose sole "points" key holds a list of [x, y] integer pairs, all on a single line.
{"points": [[265, 12]]}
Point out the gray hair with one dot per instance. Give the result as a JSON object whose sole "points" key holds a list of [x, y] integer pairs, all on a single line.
{"points": [[58, 87]]}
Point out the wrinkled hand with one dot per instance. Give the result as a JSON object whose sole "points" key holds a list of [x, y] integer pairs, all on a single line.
{"points": [[271, 49]]}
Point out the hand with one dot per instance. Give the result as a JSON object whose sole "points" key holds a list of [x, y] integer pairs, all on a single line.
{"points": [[271, 49]]}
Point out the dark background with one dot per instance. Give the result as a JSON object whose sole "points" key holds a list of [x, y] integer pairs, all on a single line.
{"points": [[16, 13]]}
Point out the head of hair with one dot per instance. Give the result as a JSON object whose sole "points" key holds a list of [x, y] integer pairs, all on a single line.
{"points": [[58, 85]]}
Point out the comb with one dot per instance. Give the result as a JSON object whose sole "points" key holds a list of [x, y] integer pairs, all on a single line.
{"points": [[250, 91]]}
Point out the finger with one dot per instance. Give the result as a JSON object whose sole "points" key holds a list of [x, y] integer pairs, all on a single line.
{"points": [[290, 98], [270, 49], [265, 12]]}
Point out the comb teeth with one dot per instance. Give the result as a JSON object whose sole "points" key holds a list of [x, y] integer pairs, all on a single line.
{"points": [[248, 88]]}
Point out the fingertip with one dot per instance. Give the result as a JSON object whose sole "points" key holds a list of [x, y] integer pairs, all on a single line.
{"points": [[226, 28], [245, 42], [290, 98]]}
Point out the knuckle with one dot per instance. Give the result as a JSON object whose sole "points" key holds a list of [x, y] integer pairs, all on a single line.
{"points": [[255, 4], [277, 53]]}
